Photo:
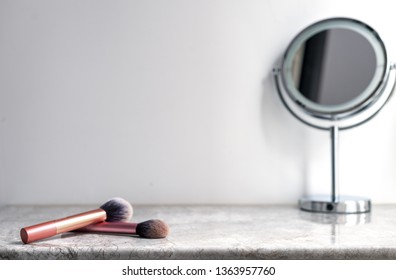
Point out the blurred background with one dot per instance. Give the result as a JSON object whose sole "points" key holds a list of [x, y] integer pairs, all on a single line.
{"points": [[172, 102]]}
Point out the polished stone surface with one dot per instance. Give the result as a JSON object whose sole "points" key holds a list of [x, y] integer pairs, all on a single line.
{"points": [[212, 232]]}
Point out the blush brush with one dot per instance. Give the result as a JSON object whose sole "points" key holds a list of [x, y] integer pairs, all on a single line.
{"points": [[114, 210], [148, 229]]}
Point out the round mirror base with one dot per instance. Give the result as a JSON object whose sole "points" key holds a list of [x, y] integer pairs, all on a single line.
{"points": [[343, 204]]}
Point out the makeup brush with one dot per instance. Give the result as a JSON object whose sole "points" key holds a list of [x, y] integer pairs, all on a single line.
{"points": [[114, 210], [147, 229]]}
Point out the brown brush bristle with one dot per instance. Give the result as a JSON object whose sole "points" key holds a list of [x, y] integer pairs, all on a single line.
{"points": [[152, 229]]}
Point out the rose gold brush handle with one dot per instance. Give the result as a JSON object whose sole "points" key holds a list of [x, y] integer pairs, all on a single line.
{"points": [[51, 228], [110, 227]]}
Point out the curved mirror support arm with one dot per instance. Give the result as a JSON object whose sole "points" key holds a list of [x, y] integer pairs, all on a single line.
{"points": [[360, 117]]}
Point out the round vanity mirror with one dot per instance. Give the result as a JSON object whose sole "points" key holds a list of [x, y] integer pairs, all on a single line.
{"points": [[335, 75]]}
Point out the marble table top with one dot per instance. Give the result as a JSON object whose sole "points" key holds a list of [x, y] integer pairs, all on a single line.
{"points": [[211, 232]]}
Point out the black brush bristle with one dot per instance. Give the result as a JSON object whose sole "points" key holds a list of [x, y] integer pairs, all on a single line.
{"points": [[117, 210], [152, 229]]}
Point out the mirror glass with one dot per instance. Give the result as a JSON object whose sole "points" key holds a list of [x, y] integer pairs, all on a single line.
{"points": [[334, 66]]}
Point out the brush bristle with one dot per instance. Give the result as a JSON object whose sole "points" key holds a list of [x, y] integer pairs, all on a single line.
{"points": [[117, 210], [152, 229]]}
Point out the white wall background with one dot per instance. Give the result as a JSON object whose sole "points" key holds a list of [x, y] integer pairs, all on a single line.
{"points": [[172, 102]]}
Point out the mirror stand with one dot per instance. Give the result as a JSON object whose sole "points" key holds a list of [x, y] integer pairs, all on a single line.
{"points": [[335, 203], [335, 75]]}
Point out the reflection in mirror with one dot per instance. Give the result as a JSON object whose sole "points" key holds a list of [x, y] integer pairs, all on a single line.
{"points": [[334, 66]]}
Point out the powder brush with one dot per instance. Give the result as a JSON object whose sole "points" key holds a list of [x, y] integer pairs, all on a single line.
{"points": [[114, 210], [148, 229]]}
